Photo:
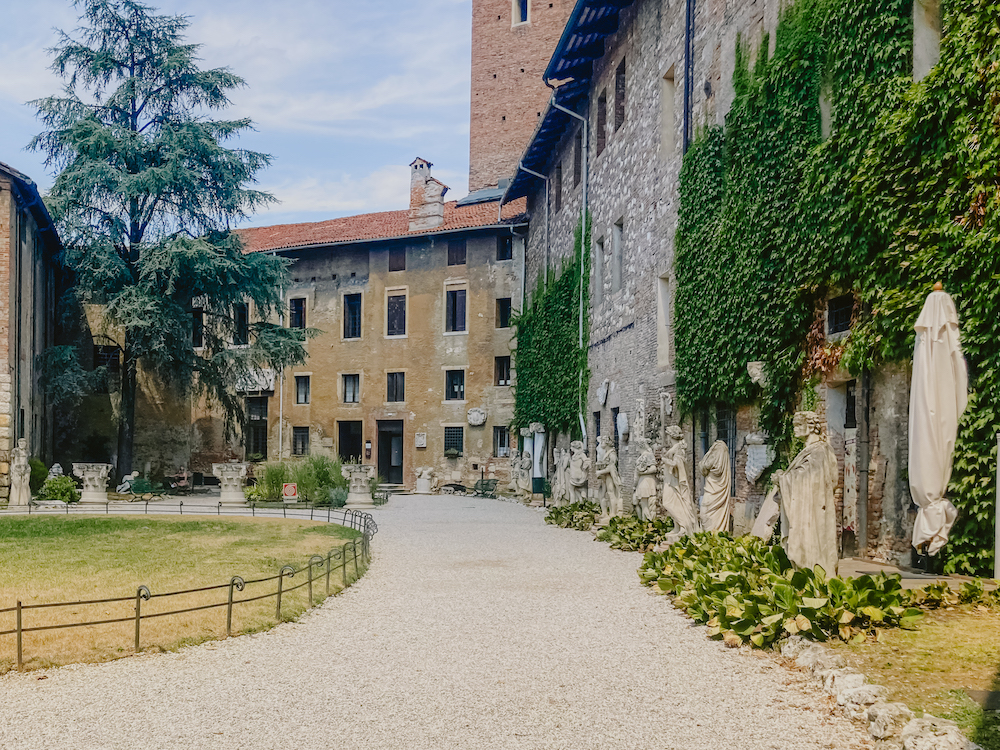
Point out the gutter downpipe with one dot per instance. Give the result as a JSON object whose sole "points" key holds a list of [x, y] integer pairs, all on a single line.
{"points": [[688, 71], [545, 269], [583, 229]]}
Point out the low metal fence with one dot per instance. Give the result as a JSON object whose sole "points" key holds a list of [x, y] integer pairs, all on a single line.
{"points": [[356, 554]]}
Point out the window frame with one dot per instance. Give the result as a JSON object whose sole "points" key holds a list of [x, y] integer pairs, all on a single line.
{"points": [[450, 310], [520, 12], [241, 326], [601, 126], [300, 438], [397, 253], [395, 385], [453, 251], [449, 377], [303, 388], [499, 369], [621, 95], [461, 438], [357, 387], [360, 318], [297, 317], [500, 317], [392, 294], [498, 431], [198, 328], [505, 247]]}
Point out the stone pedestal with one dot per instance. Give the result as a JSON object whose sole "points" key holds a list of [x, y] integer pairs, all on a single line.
{"points": [[423, 486], [231, 476], [95, 482], [358, 475]]}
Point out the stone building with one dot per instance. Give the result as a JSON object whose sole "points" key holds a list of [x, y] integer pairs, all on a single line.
{"points": [[411, 365], [633, 81], [30, 282]]}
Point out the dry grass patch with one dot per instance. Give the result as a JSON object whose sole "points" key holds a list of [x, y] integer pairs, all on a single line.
{"points": [[931, 669], [69, 559]]}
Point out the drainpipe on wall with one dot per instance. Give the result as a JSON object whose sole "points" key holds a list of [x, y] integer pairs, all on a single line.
{"points": [[688, 71], [864, 457], [583, 228], [543, 178]]}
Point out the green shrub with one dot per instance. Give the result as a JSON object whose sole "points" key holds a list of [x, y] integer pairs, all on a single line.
{"points": [[59, 489], [338, 497], [38, 475], [141, 486], [633, 535], [748, 591], [270, 478], [580, 516]]}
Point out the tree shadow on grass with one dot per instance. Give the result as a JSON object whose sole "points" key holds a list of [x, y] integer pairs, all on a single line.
{"points": [[986, 731]]}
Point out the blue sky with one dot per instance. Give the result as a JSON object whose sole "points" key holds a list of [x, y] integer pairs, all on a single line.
{"points": [[343, 94]]}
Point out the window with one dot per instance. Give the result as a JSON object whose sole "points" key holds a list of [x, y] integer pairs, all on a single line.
{"points": [[300, 441], [397, 258], [851, 410], [454, 385], [577, 157], [256, 433], [839, 312], [503, 312], [505, 248], [456, 252], [620, 95], [454, 440], [521, 11], [455, 310], [501, 442], [395, 313], [302, 389], [926, 36], [597, 424], [501, 371], [197, 328], [107, 356], [614, 425], [668, 118], [616, 261], [352, 316], [241, 324], [663, 322], [396, 387], [602, 121], [557, 189], [297, 313], [352, 388]]}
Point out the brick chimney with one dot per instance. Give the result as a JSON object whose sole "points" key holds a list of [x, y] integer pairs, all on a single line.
{"points": [[426, 197]]}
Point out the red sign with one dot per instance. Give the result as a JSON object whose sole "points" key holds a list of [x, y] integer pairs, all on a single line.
{"points": [[290, 491]]}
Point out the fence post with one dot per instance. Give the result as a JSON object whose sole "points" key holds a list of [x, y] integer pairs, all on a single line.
{"points": [[343, 567], [328, 556], [218, 510], [281, 578], [141, 593], [20, 651], [237, 583], [311, 509], [180, 505], [107, 508], [357, 573]]}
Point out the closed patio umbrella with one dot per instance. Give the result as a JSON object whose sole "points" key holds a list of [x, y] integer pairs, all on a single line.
{"points": [[938, 395]]}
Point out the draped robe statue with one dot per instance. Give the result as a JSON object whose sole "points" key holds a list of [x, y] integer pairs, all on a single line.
{"points": [[717, 502], [608, 477], [644, 494], [579, 465], [524, 477], [808, 510], [676, 499]]}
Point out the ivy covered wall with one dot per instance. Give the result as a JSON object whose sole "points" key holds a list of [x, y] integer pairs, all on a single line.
{"points": [[895, 188], [550, 366]]}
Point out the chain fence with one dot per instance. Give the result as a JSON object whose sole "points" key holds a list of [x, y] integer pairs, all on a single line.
{"points": [[337, 565]]}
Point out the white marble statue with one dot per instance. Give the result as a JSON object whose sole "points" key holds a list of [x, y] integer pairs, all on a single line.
{"points": [[524, 484], [677, 499], [425, 480], [808, 511], [20, 475], [560, 462], [232, 475], [644, 494], [579, 466], [56, 470], [717, 501], [609, 481], [358, 492], [95, 481]]}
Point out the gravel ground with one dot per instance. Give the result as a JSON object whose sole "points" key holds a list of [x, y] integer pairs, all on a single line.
{"points": [[477, 626]]}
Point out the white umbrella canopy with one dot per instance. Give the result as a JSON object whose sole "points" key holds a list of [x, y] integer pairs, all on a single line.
{"points": [[938, 395]]}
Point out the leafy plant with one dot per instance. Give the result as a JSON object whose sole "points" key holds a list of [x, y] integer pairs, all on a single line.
{"points": [[582, 515], [338, 497], [38, 475], [746, 591], [141, 486], [61, 489], [270, 479], [633, 535]]}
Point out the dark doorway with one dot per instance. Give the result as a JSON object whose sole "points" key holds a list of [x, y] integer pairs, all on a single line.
{"points": [[256, 432], [390, 450], [349, 441]]}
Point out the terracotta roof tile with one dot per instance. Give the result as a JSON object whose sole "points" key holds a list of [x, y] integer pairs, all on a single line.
{"points": [[377, 226]]}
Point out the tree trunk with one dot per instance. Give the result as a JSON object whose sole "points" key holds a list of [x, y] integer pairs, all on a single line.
{"points": [[126, 424]]}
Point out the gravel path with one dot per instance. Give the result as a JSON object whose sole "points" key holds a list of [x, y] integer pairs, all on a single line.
{"points": [[477, 626]]}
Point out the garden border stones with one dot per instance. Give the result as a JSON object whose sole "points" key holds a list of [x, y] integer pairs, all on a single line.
{"points": [[893, 726]]}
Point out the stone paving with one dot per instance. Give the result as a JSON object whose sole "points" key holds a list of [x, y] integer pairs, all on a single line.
{"points": [[477, 626]]}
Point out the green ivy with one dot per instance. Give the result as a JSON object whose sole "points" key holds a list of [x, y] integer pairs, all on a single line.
{"points": [[551, 367]]}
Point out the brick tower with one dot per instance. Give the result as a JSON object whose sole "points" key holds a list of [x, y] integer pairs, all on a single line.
{"points": [[512, 41]]}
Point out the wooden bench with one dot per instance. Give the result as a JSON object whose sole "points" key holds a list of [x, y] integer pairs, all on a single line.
{"points": [[486, 488]]}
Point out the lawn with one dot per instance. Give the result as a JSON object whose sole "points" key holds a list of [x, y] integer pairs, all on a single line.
{"points": [[67, 559], [933, 669]]}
